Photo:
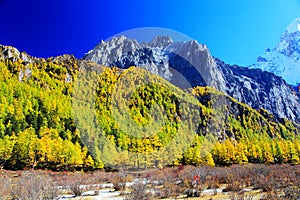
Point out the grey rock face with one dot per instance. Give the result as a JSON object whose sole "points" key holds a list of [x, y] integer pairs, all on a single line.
{"points": [[159, 41], [261, 89], [24, 73], [13, 54], [106, 52], [189, 64], [8, 52], [185, 64]]}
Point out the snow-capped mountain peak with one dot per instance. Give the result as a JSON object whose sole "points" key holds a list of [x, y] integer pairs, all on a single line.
{"points": [[294, 26], [284, 59]]}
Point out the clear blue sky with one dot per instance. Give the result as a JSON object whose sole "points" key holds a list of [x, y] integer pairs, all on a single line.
{"points": [[236, 31]]}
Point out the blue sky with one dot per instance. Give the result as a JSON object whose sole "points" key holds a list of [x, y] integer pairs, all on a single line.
{"points": [[237, 31]]}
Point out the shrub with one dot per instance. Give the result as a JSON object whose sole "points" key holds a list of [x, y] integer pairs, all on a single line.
{"points": [[119, 179], [139, 190], [241, 196], [292, 192], [33, 185]]}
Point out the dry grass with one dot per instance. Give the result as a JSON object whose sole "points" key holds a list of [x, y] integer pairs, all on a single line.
{"points": [[265, 181]]}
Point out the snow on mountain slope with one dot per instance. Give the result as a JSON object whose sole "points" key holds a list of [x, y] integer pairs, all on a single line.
{"points": [[294, 26], [284, 59]]}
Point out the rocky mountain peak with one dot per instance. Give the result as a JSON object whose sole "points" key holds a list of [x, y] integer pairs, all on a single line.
{"points": [[192, 51], [161, 56], [294, 26], [189, 63], [160, 41], [8, 52], [105, 53], [289, 44]]}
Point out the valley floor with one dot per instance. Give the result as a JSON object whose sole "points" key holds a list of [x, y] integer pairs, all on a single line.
{"points": [[237, 182]]}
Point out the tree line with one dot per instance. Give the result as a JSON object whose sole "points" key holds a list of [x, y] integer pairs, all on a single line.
{"points": [[38, 128]]}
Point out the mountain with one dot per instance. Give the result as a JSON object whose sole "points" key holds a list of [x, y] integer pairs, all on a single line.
{"points": [[11, 53], [284, 59], [49, 109], [189, 64]]}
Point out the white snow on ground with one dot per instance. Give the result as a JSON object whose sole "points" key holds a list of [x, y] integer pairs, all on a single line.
{"points": [[108, 194], [211, 191], [103, 194], [66, 196]]}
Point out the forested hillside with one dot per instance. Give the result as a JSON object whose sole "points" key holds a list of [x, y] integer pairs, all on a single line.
{"points": [[40, 129]]}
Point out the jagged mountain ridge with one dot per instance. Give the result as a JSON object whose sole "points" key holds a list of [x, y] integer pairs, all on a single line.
{"points": [[46, 110], [284, 59], [161, 59], [162, 56], [191, 61]]}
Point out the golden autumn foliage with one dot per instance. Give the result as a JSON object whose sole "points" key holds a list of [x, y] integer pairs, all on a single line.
{"points": [[38, 128]]}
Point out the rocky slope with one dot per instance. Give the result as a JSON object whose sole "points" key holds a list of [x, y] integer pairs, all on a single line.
{"points": [[284, 59], [261, 89], [11, 53], [189, 63]]}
